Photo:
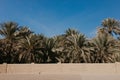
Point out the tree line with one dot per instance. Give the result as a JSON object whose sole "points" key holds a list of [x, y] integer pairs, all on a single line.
{"points": [[18, 44]]}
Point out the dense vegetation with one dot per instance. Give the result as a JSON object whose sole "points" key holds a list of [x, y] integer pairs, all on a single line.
{"points": [[19, 44]]}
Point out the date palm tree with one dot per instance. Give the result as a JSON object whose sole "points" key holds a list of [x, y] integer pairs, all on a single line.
{"points": [[30, 50], [111, 25], [50, 55], [104, 47], [8, 32], [74, 50]]}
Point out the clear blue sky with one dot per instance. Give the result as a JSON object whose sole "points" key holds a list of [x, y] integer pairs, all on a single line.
{"points": [[53, 17]]}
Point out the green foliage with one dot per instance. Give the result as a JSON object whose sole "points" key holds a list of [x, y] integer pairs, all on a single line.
{"points": [[19, 44]]}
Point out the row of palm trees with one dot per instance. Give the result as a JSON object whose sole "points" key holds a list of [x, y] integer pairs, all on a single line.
{"points": [[18, 44]]}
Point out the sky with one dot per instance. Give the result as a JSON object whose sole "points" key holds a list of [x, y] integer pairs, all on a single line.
{"points": [[54, 17]]}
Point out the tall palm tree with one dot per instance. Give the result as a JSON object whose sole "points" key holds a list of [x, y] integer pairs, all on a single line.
{"points": [[111, 25]]}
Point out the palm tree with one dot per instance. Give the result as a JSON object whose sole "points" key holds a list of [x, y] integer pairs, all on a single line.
{"points": [[111, 25], [8, 32], [74, 48], [24, 31], [50, 55], [70, 32], [30, 50], [105, 48]]}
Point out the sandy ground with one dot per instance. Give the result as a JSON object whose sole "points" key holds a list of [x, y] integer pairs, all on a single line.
{"points": [[60, 76]]}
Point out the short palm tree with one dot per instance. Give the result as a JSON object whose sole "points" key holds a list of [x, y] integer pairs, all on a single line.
{"points": [[8, 32], [74, 50], [50, 56], [30, 50], [105, 48]]}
